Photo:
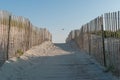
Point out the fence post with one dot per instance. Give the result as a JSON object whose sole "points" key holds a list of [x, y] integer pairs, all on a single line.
{"points": [[7, 56], [104, 56], [89, 39]]}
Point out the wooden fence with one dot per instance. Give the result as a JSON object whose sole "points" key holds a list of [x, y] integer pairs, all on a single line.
{"points": [[18, 34], [101, 39]]}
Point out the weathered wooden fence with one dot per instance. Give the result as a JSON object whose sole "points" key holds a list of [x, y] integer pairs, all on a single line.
{"points": [[101, 39], [18, 34]]}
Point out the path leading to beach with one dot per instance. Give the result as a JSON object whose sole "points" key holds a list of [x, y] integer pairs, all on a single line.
{"points": [[50, 61]]}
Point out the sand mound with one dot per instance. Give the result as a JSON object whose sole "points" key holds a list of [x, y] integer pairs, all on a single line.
{"points": [[13, 67]]}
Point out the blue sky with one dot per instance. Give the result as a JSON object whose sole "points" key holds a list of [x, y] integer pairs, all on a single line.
{"points": [[58, 14]]}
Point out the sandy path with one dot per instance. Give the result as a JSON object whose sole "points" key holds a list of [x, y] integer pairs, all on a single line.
{"points": [[49, 62]]}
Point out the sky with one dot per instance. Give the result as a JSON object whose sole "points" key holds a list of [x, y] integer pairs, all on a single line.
{"points": [[56, 15]]}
